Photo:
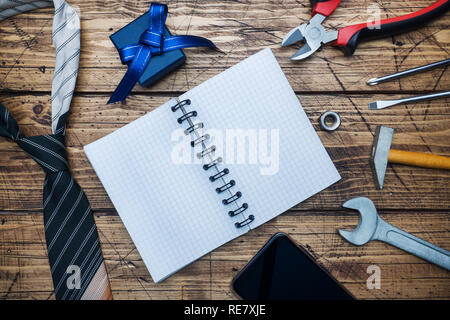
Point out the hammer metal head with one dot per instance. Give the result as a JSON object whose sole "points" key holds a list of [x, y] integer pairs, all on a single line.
{"points": [[368, 221], [380, 152]]}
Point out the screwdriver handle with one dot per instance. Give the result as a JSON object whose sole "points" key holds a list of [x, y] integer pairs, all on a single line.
{"points": [[324, 7], [418, 159], [349, 37]]}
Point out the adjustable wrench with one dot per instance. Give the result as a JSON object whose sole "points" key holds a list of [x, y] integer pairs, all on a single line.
{"points": [[372, 227]]}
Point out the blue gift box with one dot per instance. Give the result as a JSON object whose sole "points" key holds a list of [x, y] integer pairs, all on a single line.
{"points": [[159, 66]]}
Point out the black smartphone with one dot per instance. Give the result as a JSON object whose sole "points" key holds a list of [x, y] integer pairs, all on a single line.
{"points": [[281, 270]]}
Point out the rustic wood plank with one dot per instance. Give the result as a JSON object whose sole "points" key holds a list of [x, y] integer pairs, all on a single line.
{"points": [[422, 127], [413, 199], [24, 270], [240, 28]]}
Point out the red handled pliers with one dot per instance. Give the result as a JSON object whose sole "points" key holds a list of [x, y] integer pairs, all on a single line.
{"points": [[347, 38]]}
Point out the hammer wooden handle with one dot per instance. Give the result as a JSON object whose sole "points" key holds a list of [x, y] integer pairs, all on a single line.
{"points": [[418, 159]]}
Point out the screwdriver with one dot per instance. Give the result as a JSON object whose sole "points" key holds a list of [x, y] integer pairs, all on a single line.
{"points": [[381, 104], [408, 72]]}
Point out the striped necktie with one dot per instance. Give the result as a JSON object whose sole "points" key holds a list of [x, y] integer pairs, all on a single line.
{"points": [[74, 252]]}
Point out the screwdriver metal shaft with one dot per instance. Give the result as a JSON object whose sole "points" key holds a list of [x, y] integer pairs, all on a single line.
{"points": [[408, 72], [381, 104]]}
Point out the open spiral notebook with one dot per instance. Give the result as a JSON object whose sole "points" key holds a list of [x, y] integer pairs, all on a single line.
{"points": [[207, 167]]}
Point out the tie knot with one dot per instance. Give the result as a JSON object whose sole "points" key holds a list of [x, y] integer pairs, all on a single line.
{"points": [[154, 40], [49, 151]]}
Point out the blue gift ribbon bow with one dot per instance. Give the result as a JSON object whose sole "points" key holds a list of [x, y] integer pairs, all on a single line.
{"points": [[151, 43]]}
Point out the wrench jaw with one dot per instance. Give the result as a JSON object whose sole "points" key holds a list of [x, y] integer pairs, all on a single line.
{"points": [[350, 237], [368, 221], [372, 227]]}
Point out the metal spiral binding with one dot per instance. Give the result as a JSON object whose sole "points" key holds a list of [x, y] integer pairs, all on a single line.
{"points": [[245, 222], [233, 198], [187, 116], [199, 140], [241, 209], [212, 164], [198, 125], [181, 104], [219, 175], [225, 186], [207, 152]]}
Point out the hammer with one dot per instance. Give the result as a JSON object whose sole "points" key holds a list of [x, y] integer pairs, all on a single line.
{"points": [[382, 154]]}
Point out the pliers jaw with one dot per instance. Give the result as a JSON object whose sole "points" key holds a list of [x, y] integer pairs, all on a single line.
{"points": [[347, 38], [312, 33]]}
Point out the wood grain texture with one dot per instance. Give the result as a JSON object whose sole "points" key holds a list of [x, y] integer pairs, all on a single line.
{"points": [[25, 273], [420, 127], [413, 199], [239, 28]]}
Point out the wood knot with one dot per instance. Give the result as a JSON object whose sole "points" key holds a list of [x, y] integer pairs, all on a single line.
{"points": [[42, 69], [37, 109]]}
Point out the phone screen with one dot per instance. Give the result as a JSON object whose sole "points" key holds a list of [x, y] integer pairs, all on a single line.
{"points": [[282, 270]]}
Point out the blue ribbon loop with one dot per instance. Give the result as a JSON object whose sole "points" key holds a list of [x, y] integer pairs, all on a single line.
{"points": [[151, 43]]}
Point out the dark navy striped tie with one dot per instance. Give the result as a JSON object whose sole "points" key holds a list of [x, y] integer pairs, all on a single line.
{"points": [[74, 252]]}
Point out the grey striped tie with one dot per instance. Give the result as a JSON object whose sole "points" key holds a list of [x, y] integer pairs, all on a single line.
{"points": [[74, 252]]}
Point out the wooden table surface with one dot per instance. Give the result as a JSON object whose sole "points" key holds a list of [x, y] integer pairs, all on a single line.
{"points": [[413, 199]]}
